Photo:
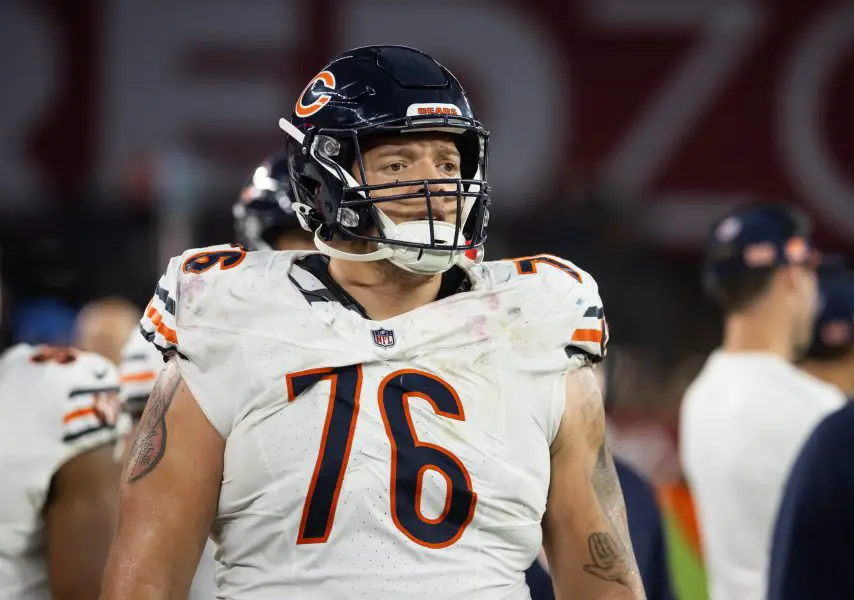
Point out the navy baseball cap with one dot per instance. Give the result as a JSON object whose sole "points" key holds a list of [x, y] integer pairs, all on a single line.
{"points": [[758, 236], [833, 334]]}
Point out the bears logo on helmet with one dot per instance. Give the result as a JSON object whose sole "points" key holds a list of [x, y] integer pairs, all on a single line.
{"points": [[303, 110]]}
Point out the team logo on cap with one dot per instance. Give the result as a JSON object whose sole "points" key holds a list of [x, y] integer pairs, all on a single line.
{"points": [[384, 338], [760, 255], [304, 110]]}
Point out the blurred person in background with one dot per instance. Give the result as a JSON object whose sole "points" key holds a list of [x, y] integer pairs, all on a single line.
{"points": [[747, 414], [388, 164], [813, 544], [58, 410], [644, 516], [264, 214], [102, 326], [264, 219], [830, 358]]}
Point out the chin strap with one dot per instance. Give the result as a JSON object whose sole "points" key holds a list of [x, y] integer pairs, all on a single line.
{"points": [[412, 260], [381, 254]]}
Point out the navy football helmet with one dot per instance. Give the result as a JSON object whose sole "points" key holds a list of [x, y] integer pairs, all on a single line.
{"points": [[381, 91], [264, 210]]}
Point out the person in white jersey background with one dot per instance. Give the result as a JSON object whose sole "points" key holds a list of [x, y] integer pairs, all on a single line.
{"points": [[746, 416], [264, 219], [58, 410], [384, 417]]}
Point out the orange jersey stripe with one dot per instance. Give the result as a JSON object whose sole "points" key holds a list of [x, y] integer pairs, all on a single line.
{"points": [[587, 335], [80, 412], [138, 377], [157, 320]]}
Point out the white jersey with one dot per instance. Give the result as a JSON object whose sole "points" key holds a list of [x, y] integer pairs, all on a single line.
{"points": [[743, 423], [407, 458], [54, 405], [140, 366]]}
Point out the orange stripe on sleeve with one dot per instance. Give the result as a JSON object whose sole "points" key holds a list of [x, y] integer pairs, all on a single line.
{"points": [[157, 320], [80, 412], [587, 335], [138, 377]]}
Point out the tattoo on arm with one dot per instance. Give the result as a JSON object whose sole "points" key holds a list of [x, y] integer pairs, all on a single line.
{"points": [[611, 557], [611, 551], [150, 443]]}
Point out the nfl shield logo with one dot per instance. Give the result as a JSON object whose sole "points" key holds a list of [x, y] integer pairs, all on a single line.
{"points": [[384, 338]]}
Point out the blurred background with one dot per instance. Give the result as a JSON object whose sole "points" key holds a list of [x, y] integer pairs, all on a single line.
{"points": [[620, 130]]}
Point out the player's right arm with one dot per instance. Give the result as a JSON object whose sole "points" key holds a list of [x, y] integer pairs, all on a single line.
{"points": [[169, 491], [167, 498]]}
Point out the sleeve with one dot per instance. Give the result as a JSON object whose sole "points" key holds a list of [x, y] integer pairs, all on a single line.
{"points": [[811, 551], [588, 338], [159, 321], [89, 403], [573, 307], [188, 318]]}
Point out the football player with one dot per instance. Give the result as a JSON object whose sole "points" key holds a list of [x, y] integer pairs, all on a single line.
{"points": [[812, 553], [264, 214], [384, 418], [748, 413], [58, 410]]}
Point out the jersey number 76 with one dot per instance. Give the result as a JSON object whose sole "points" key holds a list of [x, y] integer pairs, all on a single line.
{"points": [[410, 458]]}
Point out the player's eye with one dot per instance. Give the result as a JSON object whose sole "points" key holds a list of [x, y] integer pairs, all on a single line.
{"points": [[449, 167], [395, 167]]}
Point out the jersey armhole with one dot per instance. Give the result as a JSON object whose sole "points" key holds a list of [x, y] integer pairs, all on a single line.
{"points": [[557, 409]]}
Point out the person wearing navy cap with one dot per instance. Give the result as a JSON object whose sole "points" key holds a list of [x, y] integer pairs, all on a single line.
{"points": [[749, 412], [831, 357], [812, 551]]}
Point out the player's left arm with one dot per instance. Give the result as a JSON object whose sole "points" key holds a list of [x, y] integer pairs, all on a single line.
{"points": [[585, 530]]}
